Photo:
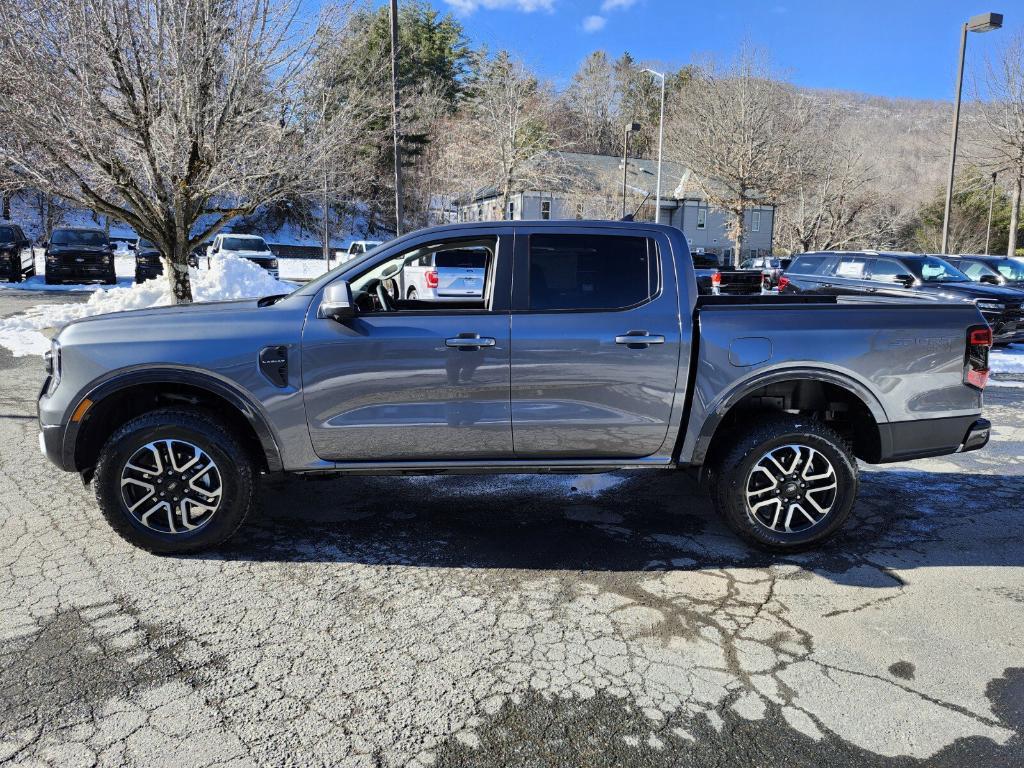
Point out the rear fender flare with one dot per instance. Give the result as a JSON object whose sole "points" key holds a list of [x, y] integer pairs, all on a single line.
{"points": [[717, 411]]}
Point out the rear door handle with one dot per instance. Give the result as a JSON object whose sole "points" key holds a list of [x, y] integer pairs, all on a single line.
{"points": [[469, 341], [639, 339]]}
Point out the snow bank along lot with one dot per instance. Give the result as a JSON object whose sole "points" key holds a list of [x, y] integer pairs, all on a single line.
{"points": [[228, 278]]}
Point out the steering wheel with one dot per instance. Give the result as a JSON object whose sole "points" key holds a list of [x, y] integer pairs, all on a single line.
{"points": [[382, 298]]}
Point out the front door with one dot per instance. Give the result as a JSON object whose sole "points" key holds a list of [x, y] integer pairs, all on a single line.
{"points": [[595, 344], [412, 380]]}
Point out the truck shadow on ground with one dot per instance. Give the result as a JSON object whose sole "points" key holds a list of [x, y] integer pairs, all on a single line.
{"points": [[640, 521]]}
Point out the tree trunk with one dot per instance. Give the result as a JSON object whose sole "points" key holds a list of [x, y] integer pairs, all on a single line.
{"points": [[177, 274], [6, 215], [737, 237], [1011, 248]]}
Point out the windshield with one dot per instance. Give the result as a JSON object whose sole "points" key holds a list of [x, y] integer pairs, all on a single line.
{"points": [[1011, 270], [244, 244], [78, 237], [327, 277], [143, 243], [6, 235], [938, 271]]}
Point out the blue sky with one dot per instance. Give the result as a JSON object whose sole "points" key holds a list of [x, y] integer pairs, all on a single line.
{"points": [[903, 48]]}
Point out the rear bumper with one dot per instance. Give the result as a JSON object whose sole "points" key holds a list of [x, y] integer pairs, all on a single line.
{"points": [[907, 440]]}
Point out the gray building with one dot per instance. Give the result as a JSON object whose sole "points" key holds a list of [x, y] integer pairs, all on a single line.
{"points": [[592, 189]]}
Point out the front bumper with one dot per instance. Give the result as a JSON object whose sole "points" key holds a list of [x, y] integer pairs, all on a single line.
{"points": [[80, 271]]}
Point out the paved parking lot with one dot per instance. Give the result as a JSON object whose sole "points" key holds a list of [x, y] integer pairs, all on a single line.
{"points": [[599, 621]]}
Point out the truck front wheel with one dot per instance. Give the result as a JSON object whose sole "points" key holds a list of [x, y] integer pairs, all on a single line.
{"points": [[787, 483], [175, 480]]}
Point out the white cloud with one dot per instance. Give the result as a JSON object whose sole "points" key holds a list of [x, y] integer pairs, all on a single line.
{"points": [[594, 23], [615, 5], [526, 6]]}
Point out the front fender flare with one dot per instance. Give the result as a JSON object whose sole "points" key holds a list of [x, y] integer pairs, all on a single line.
{"points": [[201, 379]]}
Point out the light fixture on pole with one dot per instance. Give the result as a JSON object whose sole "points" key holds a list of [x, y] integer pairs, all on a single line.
{"points": [[983, 22], [630, 128], [661, 142]]}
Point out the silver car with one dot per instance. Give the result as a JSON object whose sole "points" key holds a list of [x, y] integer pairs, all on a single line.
{"points": [[445, 274]]}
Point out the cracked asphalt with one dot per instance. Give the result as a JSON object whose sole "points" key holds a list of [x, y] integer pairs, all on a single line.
{"points": [[515, 621]]}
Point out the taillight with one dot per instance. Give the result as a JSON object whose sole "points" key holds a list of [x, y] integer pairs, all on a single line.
{"points": [[431, 278], [979, 341], [783, 282], [716, 279]]}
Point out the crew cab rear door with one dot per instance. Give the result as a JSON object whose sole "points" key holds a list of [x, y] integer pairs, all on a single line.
{"points": [[595, 342]]}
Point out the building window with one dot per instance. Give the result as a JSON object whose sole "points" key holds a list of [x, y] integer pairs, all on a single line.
{"points": [[579, 210], [755, 221], [511, 210], [702, 217], [545, 209]]}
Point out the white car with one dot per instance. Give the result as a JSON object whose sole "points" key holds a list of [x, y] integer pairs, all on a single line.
{"points": [[251, 247], [358, 248], [445, 275]]}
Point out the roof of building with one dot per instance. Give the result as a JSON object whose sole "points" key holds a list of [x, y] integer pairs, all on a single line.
{"points": [[584, 170]]}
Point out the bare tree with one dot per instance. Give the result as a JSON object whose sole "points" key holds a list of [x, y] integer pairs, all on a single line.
{"points": [[739, 130], [1000, 135], [501, 138], [173, 116]]}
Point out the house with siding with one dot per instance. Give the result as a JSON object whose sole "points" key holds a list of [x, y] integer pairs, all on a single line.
{"points": [[591, 188]]}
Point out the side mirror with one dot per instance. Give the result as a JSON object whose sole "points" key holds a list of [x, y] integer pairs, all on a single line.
{"points": [[337, 302], [907, 281], [990, 279]]}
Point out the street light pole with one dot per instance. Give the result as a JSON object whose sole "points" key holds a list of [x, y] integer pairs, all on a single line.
{"points": [[630, 128], [983, 22], [991, 202], [394, 118], [661, 142]]}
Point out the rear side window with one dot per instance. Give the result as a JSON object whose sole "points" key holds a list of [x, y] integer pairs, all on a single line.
{"points": [[809, 265], [591, 272], [886, 270], [853, 267]]}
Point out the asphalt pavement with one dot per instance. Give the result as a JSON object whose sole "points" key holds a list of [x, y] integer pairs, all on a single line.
{"points": [[515, 621]]}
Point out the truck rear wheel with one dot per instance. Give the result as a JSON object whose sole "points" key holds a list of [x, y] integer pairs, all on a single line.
{"points": [[174, 481], [787, 483]]}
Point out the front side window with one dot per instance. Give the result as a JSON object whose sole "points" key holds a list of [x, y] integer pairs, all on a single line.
{"points": [[1011, 270], [452, 274], [887, 270], [976, 270], [545, 209], [591, 272]]}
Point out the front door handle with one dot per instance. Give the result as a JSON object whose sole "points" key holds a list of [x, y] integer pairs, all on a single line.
{"points": [[469, 341], [639, 339]]}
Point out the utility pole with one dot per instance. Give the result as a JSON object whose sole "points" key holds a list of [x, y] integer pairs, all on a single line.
{"points": [[394, 113], [661, 141], [326, 207]]}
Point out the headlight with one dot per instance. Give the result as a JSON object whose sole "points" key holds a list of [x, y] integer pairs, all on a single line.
{"points": [[52, 361], [990, 306]]}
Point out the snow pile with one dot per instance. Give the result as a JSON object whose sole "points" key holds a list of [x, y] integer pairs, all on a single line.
{"points": [[228, 278], [1007, 360]]}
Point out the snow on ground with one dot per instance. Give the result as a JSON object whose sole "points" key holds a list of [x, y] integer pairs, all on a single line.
{"points": [[229, 278], [1007, 359]]}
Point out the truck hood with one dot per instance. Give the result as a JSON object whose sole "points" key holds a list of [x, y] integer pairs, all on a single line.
{"points": [[981, 291], [168, 315]]}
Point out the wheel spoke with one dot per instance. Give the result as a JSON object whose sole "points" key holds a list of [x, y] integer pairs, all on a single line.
{"points": [[791, 488]]}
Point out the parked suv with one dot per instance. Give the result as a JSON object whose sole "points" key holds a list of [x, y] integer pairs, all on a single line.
{"points": [[147, 261], [994, 270], [588, 351], [17, 261], [905, 276], [79, 254], [251, 247], [442, 273]]}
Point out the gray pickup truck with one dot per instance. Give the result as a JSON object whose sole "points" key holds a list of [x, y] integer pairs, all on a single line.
{"points": [[589, 350]]}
